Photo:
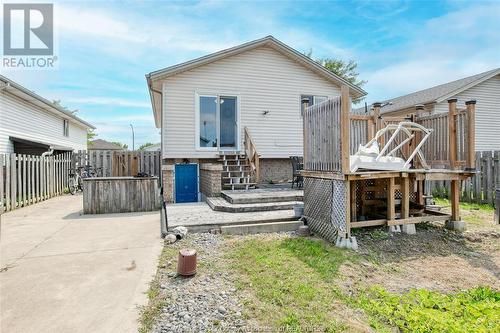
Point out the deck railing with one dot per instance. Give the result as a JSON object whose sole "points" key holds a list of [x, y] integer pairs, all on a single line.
{"points": [[332, 134], [252, 155], [322, 136]]}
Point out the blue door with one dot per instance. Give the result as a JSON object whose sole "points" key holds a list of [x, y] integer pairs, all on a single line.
{"points": [[186, 182]]}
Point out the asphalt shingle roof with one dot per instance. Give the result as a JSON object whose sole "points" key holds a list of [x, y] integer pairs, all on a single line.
{"points": [[100, 144], [432, 94]]}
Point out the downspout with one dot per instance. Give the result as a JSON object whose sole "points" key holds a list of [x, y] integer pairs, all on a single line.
{"points": [[163, 210]]}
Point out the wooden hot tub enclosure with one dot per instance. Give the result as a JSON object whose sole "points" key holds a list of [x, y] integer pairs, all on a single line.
{"points": [[106, 195], [337, 200]]}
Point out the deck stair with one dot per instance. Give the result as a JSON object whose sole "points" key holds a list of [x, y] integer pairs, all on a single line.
{"points": [[236, 172], [256, 200]]}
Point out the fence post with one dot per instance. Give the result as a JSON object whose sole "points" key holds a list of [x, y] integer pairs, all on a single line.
{"points": [[345, 127], [452, 126], [471, 135]]}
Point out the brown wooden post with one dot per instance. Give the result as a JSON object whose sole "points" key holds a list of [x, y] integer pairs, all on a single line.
{"points": [[419, 110], [391, 209], [471, 135], [405, 200], [345, 127], [452, 132], [371, 126], [454, 197], [420, 192], [377, 119], [305, 155]]}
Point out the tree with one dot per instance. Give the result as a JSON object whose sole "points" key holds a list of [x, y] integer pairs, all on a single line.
{"points": [[90, 136], [144, 146], [123, 145], [344, 69], [57, 102]]}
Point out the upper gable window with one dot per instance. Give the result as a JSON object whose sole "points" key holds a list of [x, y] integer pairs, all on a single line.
{"points": [[312, 101]]}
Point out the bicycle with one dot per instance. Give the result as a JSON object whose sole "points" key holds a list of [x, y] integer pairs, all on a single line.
{"points": [[75, 181]]}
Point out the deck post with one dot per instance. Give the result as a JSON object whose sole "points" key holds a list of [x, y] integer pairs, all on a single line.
{"points": [[377, 119], [471, 135], [452, 131], [405, 205], [391, 204], [455, 223], [345, 128], [419, 110]]}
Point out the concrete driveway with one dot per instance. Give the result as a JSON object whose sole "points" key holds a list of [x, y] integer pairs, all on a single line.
{"points": [[65, 272]]}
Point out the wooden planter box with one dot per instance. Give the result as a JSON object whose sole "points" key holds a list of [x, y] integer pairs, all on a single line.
{"points": [[105, 195]]}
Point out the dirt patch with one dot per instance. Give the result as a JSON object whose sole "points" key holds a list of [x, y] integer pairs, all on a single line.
{"points": [[434, 259]]}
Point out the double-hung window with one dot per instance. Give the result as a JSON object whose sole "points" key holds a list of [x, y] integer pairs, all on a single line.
{"points": [[312, 100]]}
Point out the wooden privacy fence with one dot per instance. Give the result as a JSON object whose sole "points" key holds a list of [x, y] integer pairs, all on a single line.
{"points": [[322, 136], [27, 179], [481, 187], [120, 163]]}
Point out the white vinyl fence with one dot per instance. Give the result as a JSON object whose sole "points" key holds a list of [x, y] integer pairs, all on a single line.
{"points": [[27, 179]]}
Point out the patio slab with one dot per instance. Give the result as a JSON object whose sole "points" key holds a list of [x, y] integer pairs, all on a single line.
{"points": [[67, 272], [200, 214]]}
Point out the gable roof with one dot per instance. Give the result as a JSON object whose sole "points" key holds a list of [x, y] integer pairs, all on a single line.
{"points": [[101, 144], [157, 76], [438, 93], [35, 99]]}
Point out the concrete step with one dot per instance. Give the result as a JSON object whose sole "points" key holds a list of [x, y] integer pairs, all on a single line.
{"points": [[257, 228], [262, 196], [286, 216], [240, 186], [221, 205]]}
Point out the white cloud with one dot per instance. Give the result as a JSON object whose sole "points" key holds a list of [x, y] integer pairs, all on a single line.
{"points": [[113, 101], [444, 49]]}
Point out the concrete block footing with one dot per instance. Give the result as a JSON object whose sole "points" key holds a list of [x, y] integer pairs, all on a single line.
{"points": [[456, 225], [408, 229], [394, 228], [347, 242]]}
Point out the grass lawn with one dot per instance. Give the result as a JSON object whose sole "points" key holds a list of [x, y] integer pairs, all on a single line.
{"points": [[294, 287]]}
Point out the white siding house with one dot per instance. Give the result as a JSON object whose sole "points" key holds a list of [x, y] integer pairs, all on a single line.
{"points": [[262, 84], [28, 120], [483, 87]]}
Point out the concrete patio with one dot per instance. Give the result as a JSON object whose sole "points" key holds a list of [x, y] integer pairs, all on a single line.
{"points": [[65, 272]]}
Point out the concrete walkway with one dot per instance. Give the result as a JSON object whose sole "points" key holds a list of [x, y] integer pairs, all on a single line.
{"points": [[65, 272]]}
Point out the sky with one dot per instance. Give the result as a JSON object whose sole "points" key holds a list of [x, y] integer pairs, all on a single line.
{"points": [[105, 48]]}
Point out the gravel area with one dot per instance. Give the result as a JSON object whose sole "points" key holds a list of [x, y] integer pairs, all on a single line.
{"points": [[206, 302]]}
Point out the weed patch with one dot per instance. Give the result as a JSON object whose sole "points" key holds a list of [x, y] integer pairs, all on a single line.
{"points": [[475, 310]]}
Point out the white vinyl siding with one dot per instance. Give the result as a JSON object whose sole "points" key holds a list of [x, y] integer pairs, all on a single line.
{"points": [[21, 119], [487, 95], [268, 85]]}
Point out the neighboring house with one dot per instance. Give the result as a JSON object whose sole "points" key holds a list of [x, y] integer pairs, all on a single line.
{"points": [[204, 105], [154, 147], [483, 87], [30, 124], [101, 144]]}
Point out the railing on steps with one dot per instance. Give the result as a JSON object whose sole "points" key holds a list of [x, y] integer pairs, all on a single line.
{"points": [[252, 155]]}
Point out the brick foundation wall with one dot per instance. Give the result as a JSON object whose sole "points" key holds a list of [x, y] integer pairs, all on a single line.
{"points": [[210, 179], [167, 172], [275, 169]]}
